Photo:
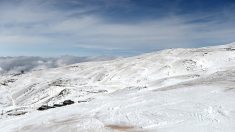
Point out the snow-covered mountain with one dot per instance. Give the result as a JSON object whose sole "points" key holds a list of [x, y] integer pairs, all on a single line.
{"points": [[174, 90]]}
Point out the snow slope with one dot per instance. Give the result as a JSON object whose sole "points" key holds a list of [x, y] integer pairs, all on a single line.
{"points": [[171, 90]]}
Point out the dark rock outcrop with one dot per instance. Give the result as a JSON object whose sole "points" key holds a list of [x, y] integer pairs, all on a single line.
{"points": [[58, 105], [45, 107], [68, 102]]}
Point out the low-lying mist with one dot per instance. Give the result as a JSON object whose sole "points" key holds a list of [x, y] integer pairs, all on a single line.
{"points": [[25, 64]]}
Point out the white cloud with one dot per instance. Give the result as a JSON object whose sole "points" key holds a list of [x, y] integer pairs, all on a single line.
{"points": [[35, 23], [22, 39]]}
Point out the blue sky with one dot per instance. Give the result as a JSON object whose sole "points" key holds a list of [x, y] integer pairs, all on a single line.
{"points": [[112, 27]]}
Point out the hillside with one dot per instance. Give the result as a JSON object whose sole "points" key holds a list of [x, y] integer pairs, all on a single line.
{"points": [[171, 90]]}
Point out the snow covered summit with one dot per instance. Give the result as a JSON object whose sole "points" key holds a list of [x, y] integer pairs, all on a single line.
{"points": [[170, 90]]}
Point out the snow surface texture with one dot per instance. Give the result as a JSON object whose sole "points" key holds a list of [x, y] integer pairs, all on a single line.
{"points": [[174, 90]]}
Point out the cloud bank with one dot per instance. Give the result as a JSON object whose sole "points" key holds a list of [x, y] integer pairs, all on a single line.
{"points": [[18, 64]]}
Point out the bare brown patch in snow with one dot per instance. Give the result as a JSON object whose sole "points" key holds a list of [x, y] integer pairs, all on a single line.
{"points": [[120, 127]]}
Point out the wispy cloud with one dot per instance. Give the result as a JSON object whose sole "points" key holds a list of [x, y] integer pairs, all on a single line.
{"points": [[78, 24]]}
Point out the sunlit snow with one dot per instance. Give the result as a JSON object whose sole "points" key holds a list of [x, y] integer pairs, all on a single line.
{"points": [[174, 90]]}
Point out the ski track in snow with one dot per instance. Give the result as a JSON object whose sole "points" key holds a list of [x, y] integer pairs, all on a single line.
{"points": [[171, 90]]}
